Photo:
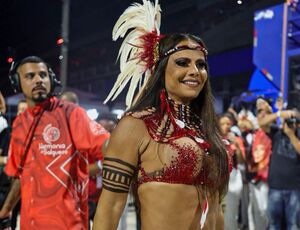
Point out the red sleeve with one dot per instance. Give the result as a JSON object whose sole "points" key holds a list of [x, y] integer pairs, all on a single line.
{"points": [[88, 136]]}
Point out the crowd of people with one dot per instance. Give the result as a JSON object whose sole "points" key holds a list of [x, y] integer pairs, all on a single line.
{"points": [[185, 166], [263, 189]]}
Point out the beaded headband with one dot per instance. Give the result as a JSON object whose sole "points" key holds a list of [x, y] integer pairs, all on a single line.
{"points": [[184, 47]]}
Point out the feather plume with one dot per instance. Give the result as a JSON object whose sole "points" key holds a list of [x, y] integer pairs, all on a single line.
{"points": [[140, 20]]}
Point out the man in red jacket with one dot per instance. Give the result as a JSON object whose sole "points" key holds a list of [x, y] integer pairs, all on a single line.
{"points": [[48, 155]]}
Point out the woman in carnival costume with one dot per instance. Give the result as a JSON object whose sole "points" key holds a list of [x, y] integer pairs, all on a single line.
{"points": [[168, 146]]}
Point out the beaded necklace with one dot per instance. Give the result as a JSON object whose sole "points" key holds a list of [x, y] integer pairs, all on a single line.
{"points": [[185, 122]]}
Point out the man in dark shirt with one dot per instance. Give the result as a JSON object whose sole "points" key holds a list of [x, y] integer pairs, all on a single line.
{"points": [[284, 168], [284, 178]]}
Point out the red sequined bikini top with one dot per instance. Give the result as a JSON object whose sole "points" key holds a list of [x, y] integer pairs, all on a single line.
{"points": [[182, 153]]}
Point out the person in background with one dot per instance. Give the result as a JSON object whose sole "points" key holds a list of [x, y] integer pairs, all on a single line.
{"points": [[232, 114], [95, 166], [5, 130], [48, 152], [70, 96], [22, 106], [284, 169], [233, 196], [168, 145], [108, 121], [246, 128], [258, 166], [2, 104], [4, 133]]}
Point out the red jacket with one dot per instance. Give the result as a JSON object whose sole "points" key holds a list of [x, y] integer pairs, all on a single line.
{"points": [[55, 174]]}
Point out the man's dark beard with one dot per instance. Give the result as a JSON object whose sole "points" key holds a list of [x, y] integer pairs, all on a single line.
{"points": [[40, 98]]}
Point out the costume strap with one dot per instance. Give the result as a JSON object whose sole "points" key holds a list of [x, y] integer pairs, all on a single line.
{"points": [[28, 141], [204, 213]]}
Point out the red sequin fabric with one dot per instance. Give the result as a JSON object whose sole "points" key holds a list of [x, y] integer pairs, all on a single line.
{"points": [[183, 169], [179, 153]]}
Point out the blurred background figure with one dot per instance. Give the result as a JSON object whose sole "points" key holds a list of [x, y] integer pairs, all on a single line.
{"points": [[70, 96], [95, 167], [246, 128], [5, 130], [4, 140], [259, 166], [233, 196], [2, 104], [4, 137], [3, 121], [108, 121], [22, 106], [284, 169]]}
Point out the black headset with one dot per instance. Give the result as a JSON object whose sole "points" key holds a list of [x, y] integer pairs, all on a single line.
{"points": [[15, 78]]}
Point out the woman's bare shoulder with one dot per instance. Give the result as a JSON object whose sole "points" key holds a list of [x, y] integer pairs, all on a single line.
{"points": [[131, 123], [129, 136]]}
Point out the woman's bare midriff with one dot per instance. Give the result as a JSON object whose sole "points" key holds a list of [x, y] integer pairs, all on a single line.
{"points": [[176, 207]]}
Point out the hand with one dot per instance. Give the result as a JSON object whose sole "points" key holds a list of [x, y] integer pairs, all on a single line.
{"points": [[5, 224], [231, 110], [289, 130], [231, 137], [286, 114], [8, 228], [4, 213]]}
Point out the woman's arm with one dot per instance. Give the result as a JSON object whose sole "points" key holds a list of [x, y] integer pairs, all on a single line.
{"points": [[119, 167]]}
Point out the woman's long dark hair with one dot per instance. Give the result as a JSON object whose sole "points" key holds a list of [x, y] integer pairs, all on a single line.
{"points": [[202, 105]]}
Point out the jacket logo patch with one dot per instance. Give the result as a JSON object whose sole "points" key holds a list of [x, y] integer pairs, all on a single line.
{"points": [[51, 134]]}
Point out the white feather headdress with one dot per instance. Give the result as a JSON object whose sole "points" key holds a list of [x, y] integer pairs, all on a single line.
{"points": [[142, 20]]}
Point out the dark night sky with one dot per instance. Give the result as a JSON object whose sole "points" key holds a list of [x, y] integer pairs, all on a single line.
{"points": [[27, 27], [32, 27]]}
